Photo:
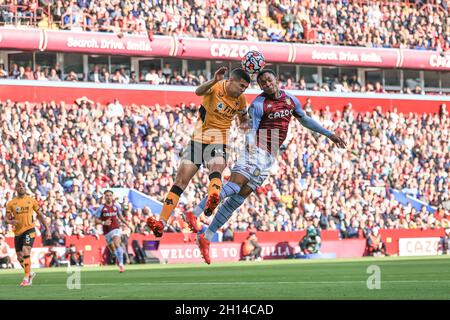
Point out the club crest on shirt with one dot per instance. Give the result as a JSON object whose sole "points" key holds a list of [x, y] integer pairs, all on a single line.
{"points": [[257, 172], [220, 106], [288, 101], [269, 106], [17, 209]]}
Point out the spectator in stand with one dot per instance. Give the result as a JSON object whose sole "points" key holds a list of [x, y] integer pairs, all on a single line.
{"points": [[72, 76], [14, 71], [54, 76], [5, 259], [95, 75], [443, 112], [3, 72], [379, 88]]}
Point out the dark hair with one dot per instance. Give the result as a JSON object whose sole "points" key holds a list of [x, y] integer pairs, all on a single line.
{"points": [[264, 71], [108, 191], [240, 74]]}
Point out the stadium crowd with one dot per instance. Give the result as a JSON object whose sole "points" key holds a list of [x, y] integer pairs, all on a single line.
{"points": [[68, 153], [406, 24]]}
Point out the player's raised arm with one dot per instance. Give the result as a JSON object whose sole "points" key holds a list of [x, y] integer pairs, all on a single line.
{"points": [[204, 88], [313, 125]]}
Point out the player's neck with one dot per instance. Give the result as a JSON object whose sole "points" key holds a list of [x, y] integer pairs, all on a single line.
{"points": [[276, 95]]}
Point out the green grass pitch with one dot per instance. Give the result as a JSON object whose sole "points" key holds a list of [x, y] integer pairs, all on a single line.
{"points": [[401, 278]]}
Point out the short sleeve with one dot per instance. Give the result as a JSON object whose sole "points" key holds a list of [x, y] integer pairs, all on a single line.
{"points": [[213, 89], [119, 209], [97, 213]]}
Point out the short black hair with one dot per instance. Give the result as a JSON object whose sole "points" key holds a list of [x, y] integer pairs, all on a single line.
{"points": [[239, 74], [108, 191], [264, 71]]}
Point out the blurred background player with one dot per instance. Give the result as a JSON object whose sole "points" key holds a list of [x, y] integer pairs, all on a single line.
{"points": [[222, 101], [311, 242], [20, 212], [270, 114], [108, 215]]}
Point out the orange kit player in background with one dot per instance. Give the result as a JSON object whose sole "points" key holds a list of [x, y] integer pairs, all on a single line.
{"points": [[19, 212], [222, 101]]}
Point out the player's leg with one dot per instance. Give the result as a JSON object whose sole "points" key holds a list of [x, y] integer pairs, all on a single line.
{"points": [[216, 163], [118, 252], [239, 177], [256, 168], [185, 173], [191, 162], [233, 186], [23, 244], [223, 214], [226, 210]]}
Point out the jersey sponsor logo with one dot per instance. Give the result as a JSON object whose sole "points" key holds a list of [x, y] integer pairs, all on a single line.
{"points": [[169, 202], [109, 214], [20, 210], [225, 110], [280, 114], [230, 50]]}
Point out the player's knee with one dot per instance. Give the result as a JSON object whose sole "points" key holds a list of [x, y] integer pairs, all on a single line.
{"points": [[182, 182], [217, 166]]}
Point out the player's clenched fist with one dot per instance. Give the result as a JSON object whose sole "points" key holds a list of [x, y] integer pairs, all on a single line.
{"points": [[220, 73]]}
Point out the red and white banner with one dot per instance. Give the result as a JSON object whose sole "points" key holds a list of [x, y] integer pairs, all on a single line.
{"points": [[418, 246], [231, 251], [217, 49], [346, 56], [88, 42]]}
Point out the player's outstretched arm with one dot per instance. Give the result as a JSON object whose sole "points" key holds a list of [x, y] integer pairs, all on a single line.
{"points": [[313, 125], [204, 88]]}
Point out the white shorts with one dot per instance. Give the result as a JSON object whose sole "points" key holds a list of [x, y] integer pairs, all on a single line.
{"points": [[255, 167], [113, 233]]}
